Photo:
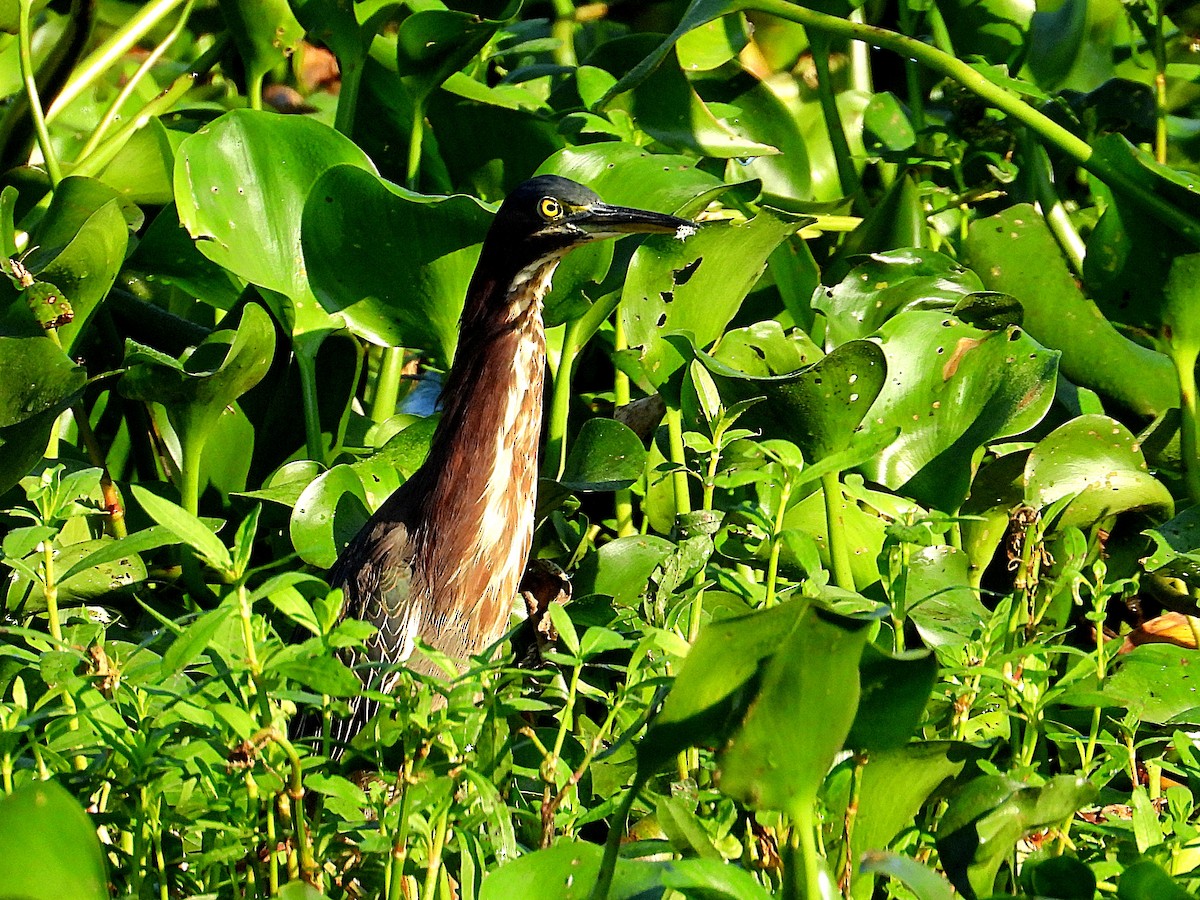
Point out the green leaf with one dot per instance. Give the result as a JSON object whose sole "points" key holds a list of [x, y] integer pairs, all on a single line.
{"points": [[951, 389], [621, 568], [186, 527], [38, 378], [605, 456], [693, 286], [1146, 880], [1015, 253], [264, 31], [1154, 682], [893, 693], [50, 846], [329, 513], [431, 44], [187, 647], [324, 674], [394, 265], [939, 599], [1098, 460], [240, 186], [990, 813], [924, 883]]}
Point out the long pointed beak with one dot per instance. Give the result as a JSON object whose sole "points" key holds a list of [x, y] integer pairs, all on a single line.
{"points": [[603, 221]]}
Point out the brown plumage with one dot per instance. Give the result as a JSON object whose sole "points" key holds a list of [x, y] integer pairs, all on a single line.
{"points": [[442, 558]]}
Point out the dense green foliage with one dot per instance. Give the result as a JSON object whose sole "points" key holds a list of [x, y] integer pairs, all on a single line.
{"points": [[876, 495]]}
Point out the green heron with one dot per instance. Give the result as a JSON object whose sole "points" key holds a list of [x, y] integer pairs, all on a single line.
{"points": [[442, 557]]}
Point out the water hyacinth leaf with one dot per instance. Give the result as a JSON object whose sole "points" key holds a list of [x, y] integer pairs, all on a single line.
{"points": [[1015, 253], [1147, 880], [775, 759], [1177, 547], [1155, 682], [1098, 459], [925, 883], [432, 44], [717, 683], [394, 265], [621, 568], [712, 44], [627, 175], [44, 827], [693, 286], [886, 127], [667, 108], [990, 813], [894, 690], [785, 176], [951, 389], [38, 378], [87, 583], [265, 33], [764, 349], [330, 511], [895, 784], [819, 407], [897, 220], [939, 600], [605, 456], [1059, 876], [886, 283], [240, 187]]}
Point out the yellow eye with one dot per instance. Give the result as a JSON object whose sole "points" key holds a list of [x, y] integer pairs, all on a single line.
{"points": [[550, 208]]}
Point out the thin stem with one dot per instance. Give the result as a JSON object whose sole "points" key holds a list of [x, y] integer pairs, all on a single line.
{"points": [[127, 90], [835, 525], [563, 30], [560, 401], [805, 829], [1184, 358], [25, 51], [110, 52], [415, 138], [1042, 174], [347, 105], [50, 589], [612, 846], [785, 494], [1160, 91], [435, 855], [623, 499]]}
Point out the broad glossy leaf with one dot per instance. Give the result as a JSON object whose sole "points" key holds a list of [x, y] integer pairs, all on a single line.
{"points": [[89, 583], [621, 568], [887, 283], [667, 107], [1177, 547], [394, 265], [694, 286], [990, 813], [763, 116], [1015, 253], [894, 690], [1156, 682], [951, 389], [1059, 876], [240, 186], [605, 456], [38, 378], [925, 883], [329, 513], [50, 846], [897, 220], [819, 407], [1097, 458], [886, 127], [993, 29], [265, 31], [712, 45], [1143, 176], [776, 759], [1146, 880], [432, 44], [939, 598]]}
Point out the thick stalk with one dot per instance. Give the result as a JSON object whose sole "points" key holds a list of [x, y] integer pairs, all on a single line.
{"points": [[835, 525], [1160, 91], [387, 384], [306, 363], [560, 401], [612, 846], [679, 478], [436, 844], [847, 174], [1184, 358], [563, 30], [50, 588], [623, 500], [1041, 172], [25, 52], [347, 105], [189, 487], [415, 138]]}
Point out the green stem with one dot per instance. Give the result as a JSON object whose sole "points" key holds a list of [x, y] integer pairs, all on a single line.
{"points": [[847, 174], [563, 30], [835, 525], [1184, 358], [415, 138], [254, 91], [560, 401], [189, 488], [1042, 174], [950, 67], [387, 384], [434, 864], [785, 495], [612, 846], [347, 105], [1160, 92], [623, 499], [128, 88], [306, 363], [802, 821], [25, 51], [679, 478], [938, 30], [111, 51]]}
